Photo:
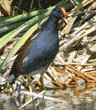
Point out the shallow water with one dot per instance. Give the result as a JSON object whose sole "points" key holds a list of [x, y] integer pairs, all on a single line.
{"points": [[86, 101]]}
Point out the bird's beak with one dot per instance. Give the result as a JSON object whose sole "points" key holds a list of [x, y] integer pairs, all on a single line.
{"points": [[65, 13]]}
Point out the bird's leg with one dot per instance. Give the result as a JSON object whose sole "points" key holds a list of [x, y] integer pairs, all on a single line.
{"points": [[42, 84], [29, 82]]}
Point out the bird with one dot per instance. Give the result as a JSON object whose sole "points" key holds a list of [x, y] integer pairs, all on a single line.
{"points": [[39, 53]]}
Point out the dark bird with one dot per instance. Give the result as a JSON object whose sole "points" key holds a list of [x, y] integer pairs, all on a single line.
{"points": [[39, 53]]}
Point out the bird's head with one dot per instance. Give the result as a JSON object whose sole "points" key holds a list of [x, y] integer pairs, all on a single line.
{"points": [[59, 12]]}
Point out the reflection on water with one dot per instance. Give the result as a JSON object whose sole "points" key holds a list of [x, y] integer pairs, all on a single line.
{"points": [[86, 101]]}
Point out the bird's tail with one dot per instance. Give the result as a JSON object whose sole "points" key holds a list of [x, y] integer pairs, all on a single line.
{"points": [[12, 79], [13, 75]]}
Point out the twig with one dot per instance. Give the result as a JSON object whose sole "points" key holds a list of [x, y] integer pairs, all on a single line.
{"points": [[31, 100]]}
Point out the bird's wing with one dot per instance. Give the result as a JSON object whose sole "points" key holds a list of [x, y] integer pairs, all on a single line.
{"points": [[41, 52]]}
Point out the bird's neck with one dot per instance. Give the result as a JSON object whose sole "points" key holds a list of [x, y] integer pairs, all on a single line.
{"points": [[52, 23]]}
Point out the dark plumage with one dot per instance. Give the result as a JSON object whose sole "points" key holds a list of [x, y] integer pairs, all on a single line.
{"points": [[42, 50]]}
